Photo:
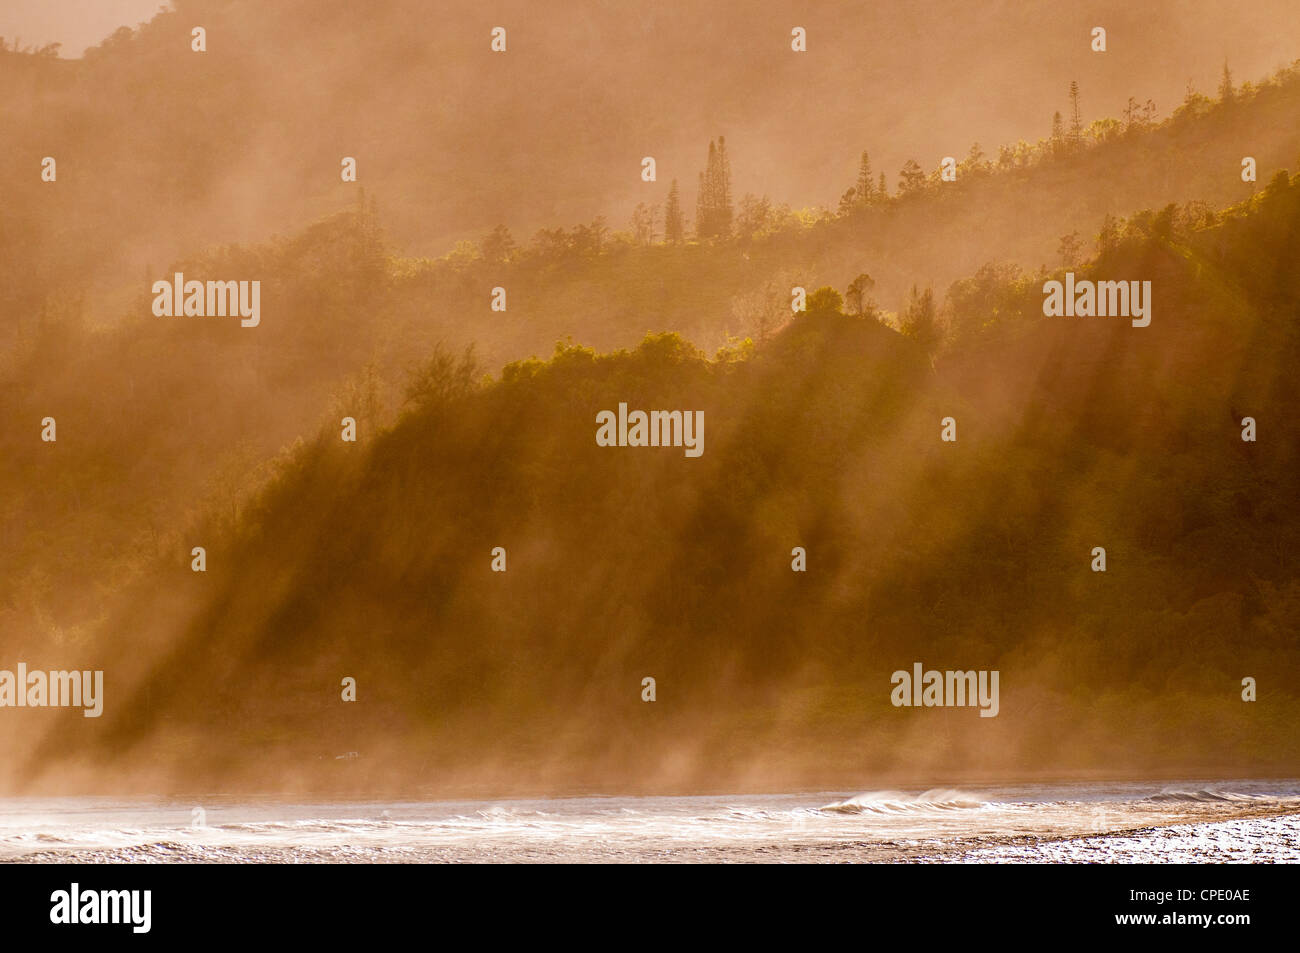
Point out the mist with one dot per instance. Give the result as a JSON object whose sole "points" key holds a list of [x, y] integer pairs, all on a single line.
{"points": [[474, 415]]}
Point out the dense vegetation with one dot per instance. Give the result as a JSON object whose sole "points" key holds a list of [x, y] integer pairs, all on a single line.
{"points": [[373, 560]]}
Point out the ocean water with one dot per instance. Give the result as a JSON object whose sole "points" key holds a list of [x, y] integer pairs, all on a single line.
{"points": [[1193, 821]]}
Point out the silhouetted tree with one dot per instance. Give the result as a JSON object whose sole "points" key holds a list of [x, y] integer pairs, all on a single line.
{"points": [[1108, 237], [498, 245], [858, 295], [713, 211], [589, 239], [825, 300], [1076, 120], [724, 188], [643, 222], [864, 187], [754, 217], [918, 321], [975, 161], [674, 228], [1070, 249], [1058, 133], [1226, 93], [551, 242], [910, 178], [1137, 116]]}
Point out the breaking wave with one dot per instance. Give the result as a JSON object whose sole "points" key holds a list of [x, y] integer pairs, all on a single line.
{"points": [[896, 802], [1203, 796]]}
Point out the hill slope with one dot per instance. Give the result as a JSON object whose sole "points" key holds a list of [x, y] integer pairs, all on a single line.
{"points": [[374, 560]]}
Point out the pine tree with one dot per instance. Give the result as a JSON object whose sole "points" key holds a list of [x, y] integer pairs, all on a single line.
{"points": [[864, 189], [723, 194], [674, 229], [1226, 93], [704, 198], [1076, 121], [713, 204], [883, 191]]}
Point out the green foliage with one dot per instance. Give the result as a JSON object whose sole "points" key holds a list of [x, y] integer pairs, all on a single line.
{"points": [[825, 300], [644, 560], [441, 379], [920, 322]]}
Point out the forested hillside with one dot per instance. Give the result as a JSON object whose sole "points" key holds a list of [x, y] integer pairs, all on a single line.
{"points": [[348, 313], [373, 560]]}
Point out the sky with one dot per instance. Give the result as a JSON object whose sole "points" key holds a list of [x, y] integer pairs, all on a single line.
{"points": [[455, 142], [77, 24]]}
